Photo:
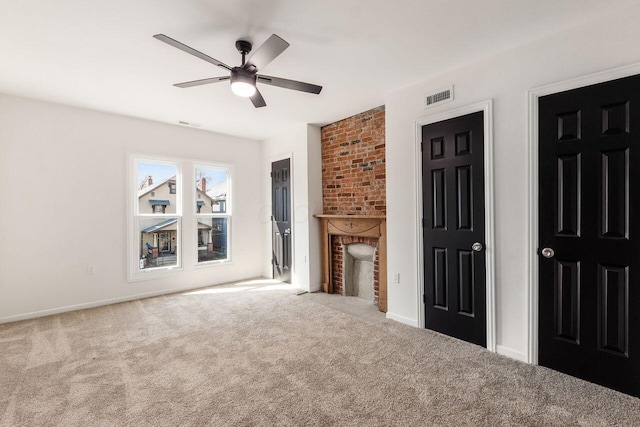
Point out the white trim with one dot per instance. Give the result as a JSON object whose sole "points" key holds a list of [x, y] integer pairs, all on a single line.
{"points": [[402, 319], [83, 306], [487, 108], [273, 159], [532, 243], [513, 354], [314, 288]]}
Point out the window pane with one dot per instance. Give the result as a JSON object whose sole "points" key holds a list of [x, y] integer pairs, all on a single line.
{"points": [[211, 189], [212, 239], [158, 242], [156, 188]]}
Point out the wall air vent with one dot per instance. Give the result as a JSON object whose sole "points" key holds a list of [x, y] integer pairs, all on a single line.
{"points": [[441, 96], [192, 124]]}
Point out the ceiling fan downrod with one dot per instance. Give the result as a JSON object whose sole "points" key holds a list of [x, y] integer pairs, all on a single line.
{"points": [[244, 47]]}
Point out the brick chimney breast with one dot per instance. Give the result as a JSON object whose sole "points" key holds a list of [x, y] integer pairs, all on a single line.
{"points": [[353, 165]]}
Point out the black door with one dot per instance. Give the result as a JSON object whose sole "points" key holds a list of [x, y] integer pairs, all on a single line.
{"points": [[453, 225], [281, 219], [588, 275]]}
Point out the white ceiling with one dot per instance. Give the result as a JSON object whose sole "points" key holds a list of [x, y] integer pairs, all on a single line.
{"points": [[100, 54]]}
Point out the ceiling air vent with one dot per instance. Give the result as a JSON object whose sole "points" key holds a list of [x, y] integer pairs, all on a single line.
{"points": [[441, 96], [192, 124]]}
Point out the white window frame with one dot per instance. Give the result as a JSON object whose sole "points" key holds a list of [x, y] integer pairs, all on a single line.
{"points": [[134, 215], [186, 212], [228, 214]]}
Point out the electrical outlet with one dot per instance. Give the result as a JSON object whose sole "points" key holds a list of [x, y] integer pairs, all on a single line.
{"points": [[91, 269], [396, 277]]}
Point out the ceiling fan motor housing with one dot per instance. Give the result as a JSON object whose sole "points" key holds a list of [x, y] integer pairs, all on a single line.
{"points": [[240, 75]]}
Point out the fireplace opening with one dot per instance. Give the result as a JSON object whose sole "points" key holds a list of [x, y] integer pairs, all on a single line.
{"points": [[358, 271]]}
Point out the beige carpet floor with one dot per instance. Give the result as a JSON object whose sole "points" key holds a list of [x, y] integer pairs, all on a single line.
{"points": [[250, 354]]}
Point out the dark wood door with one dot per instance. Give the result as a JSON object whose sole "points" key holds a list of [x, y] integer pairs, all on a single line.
{"points": [[589, 285], [453, 220], [281, 219]]}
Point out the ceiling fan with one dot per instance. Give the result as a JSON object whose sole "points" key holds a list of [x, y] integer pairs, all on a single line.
{"points": [[244, 77]]}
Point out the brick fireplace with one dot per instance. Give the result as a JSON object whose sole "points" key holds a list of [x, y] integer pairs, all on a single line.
{"points": [[353, 190]]}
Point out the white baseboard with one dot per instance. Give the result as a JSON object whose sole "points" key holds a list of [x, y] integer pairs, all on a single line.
{"points": [[403, 319], [500, 349], [513, 354], [315, 288], [58, 310]]}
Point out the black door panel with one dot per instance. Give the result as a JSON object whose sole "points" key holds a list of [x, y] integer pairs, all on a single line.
{"points": [[589, 325], [281, 219], [453, 211]]}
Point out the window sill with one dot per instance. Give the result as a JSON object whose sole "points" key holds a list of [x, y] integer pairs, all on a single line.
{"points": [[208, 264], [155, 273]]}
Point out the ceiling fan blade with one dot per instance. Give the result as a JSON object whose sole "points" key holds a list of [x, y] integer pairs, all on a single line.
{"points": [[266, 53], [258, 100], [289, 84], [183, 47], [202, 82]]}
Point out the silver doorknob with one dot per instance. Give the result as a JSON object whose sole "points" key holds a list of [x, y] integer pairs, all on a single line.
{"points": [[287, 231], [547, 253], [477, 246]]}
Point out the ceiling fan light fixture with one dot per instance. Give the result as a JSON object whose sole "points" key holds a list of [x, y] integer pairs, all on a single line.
{"points": [[243, 83], [243, 89]]}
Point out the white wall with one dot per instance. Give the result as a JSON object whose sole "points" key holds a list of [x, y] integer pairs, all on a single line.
{"points": [[63, 200], [314, 202], [302, 145], [609, 43]]}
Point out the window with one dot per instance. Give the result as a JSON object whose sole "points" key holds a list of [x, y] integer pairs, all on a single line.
{"points": [[178, 205], [159, 209], [157, 215], [219, 206], [212, 191]]}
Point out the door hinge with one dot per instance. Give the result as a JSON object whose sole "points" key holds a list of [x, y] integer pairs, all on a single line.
{"points": [[424, 298], [271, 174], [271, 217], [273, 261], [421, 146]]}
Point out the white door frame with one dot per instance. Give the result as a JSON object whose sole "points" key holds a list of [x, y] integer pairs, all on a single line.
{"points": [[487, 108], [533, 95]]}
